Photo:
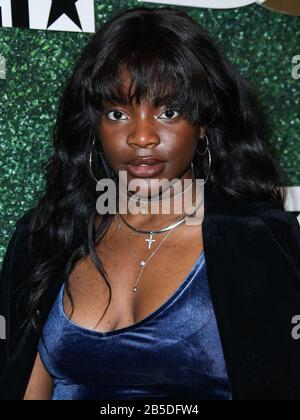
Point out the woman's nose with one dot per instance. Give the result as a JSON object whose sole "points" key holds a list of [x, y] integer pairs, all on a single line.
{"points": [[143, 136]]}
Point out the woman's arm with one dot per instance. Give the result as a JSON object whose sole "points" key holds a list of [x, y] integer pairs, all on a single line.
{"points": [[40, 385]]}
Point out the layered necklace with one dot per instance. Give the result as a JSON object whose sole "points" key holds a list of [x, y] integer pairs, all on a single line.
{"points": [[150, 233]]}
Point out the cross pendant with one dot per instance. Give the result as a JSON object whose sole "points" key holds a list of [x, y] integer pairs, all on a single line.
{"points": [[150, 240]]}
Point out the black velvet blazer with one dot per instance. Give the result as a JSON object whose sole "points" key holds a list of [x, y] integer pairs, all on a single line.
{"points": [[252, 253]]}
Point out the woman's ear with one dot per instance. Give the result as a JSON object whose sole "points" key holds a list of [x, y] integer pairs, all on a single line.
{"points": [[202, 132]]}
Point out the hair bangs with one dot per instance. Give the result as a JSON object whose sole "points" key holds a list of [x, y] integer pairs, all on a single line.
{"points": [[157, 74]]}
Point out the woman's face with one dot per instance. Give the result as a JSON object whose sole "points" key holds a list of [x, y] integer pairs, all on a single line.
{"points": [[131, 132]]}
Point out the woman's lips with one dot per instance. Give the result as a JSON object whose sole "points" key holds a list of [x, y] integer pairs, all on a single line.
{"points": [[145, 171]]}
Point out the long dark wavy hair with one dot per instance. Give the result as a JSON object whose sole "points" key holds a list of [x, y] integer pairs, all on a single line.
{"points": [[172, 61]]}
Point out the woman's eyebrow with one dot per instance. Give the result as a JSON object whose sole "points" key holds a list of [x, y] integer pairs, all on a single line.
{"points": [[116, 103], [125, 101]]}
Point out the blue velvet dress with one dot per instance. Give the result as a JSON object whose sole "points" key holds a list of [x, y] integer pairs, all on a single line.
{"points": [[174, 353]]}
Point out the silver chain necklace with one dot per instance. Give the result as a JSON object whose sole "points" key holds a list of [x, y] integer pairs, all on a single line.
{"points": [[143, 262], [152, 232], [169, 228]]}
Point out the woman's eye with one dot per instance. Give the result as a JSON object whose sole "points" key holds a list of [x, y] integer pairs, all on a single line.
{"points": [[170, 114], [116, 114]]}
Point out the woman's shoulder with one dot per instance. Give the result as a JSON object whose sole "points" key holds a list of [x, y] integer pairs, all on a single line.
{"points": [[285, 229], [17, 258], [283, 224], [269, 222], [21, 234]]}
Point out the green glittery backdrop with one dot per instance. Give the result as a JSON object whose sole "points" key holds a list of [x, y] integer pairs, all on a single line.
{"points": [[259, 42]]}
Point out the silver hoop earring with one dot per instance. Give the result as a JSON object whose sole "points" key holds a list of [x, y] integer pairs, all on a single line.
{"points": [[193, 170], [207, 146], [103, 162], [90, 162], [207, 150]]}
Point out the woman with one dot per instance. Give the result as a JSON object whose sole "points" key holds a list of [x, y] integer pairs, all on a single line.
{"points": [[91, 312]]}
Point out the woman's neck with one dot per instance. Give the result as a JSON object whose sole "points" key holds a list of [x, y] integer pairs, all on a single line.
{"points": [[160, 213]]}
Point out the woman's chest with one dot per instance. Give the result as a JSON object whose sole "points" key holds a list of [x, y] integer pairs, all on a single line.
{"points": [[175, 350], [156, 273]]}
